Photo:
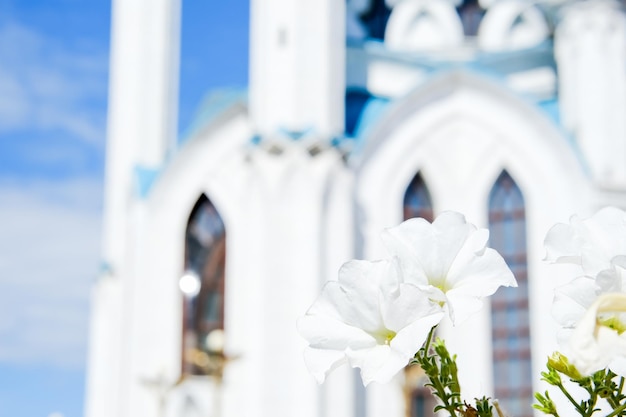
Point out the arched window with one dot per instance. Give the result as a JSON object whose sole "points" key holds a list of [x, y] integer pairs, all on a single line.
{"points": [[205, 256], [419, 399], [417, 201], [509, 306]]}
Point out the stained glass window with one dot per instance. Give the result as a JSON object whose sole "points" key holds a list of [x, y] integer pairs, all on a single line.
{"points": [[509, 306], [417, 203], [205, 256]]}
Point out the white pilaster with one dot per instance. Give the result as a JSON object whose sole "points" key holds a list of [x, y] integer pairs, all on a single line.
{"points": [[142, 106]]}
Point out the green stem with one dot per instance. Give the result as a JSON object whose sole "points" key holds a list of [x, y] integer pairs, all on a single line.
{"points": [[616, 397], [592, 403], [618, 410], [429, 340], [580, 409], [432, 371], [444, 397]]}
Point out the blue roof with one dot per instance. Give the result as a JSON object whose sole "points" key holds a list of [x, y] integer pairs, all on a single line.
{"points": [[214, 104]]}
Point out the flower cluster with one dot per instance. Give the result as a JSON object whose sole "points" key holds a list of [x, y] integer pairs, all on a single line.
{"points": [[591, 309], [377, 315], [380, 316]]}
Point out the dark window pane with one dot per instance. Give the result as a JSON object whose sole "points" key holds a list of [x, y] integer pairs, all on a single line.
{"points": [[205, 255], [417, 201], [509, 306]]}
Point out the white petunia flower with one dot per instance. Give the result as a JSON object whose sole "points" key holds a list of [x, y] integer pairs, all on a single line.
{"points": [[368, 319], [599, 339], [571, 302], [593, 243], [449, 260]]}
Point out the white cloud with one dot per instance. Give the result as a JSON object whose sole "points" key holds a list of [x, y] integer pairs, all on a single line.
{"points": [[52, 97], [13, 102], [45, 84], [49, 251]]}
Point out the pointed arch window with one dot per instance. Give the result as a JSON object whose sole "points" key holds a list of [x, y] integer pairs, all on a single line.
{"points": [[509, 306], [420, 401], [417, 202], [205, 256]]}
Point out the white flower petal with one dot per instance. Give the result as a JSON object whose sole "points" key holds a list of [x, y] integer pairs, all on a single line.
{"points": [[400, 241], [618, 365], [378, 364], [354, 298], [329, 333], [461, 306], [452, 235], [591, 242], [427, 251], [480, 277], [358, 317], [411, 305], [411, 338], [595, 346], [562, 244], [571, 301], [321, 362], [450, 255], [473, 248]]}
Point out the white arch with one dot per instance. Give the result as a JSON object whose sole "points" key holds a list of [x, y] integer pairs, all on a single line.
{"points": [[286, 213], [416, 25], [155, 328], [499, 30], [460, 131]]}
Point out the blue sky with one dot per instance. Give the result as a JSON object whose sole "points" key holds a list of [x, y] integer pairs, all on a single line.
{"points": [[53, 98]]}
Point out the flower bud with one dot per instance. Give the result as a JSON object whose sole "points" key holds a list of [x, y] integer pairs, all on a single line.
{"points": [[560, 363]]}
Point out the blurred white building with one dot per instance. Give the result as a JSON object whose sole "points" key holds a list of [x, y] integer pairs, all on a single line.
{"points": [[357, 115]]}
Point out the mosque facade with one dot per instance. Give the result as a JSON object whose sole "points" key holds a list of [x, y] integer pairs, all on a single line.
{"points": [[358, 115]]}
